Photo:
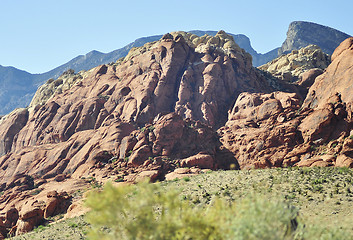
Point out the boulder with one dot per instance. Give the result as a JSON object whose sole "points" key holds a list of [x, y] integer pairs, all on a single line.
{"points": [[139, 156], [344, 161], [31, 215], [315, 125], [57, 203], [307, 78], [199, 160]]}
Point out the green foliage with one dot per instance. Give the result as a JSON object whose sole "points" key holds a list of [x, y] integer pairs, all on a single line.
{"points": [[119, 179], [36, 191], [147, 211], [94, 183], [39, 228], [186, 179]]}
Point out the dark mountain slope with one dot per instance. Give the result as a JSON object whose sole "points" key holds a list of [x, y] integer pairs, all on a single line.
{"points": [[16, 88], [301, 34]]}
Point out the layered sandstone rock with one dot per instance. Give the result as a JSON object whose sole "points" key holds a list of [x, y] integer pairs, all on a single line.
{"points": [[336, 81], [269, 130], [170, 77], [266, 131]]}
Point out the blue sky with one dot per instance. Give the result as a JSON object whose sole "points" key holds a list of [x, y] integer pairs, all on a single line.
{"points": [[39, 35]]}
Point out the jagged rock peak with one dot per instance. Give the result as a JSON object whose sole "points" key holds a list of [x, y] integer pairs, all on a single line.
{"points": [[301, 34], [291, 66], [221, 42]]}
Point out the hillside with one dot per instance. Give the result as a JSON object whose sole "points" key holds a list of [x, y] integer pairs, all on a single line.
{"points": [[176, 106]]}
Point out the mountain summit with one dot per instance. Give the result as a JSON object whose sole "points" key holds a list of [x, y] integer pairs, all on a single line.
{"points": [[301, 34]]}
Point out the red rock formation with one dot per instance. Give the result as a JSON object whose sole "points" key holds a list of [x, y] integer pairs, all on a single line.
{"points": [[31, 215], [262, 129], [77, 133], [157, 111], [266, 131], [336, 79], [69, 133], [56, 203]]}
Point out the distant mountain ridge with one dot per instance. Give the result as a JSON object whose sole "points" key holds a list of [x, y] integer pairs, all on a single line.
{"points": [[301, 34], [18, 87]]}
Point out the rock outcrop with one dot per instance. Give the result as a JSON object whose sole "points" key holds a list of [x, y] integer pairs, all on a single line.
{"points": [[18, 87], [53, 87], [292, 66], [262, 129], [301, 34], [336, 82], [270, 130]]}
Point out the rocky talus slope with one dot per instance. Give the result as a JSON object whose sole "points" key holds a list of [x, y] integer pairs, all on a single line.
{"points": [[172, 107]]}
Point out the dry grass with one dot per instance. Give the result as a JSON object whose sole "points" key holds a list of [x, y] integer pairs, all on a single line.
{"points": [[324, 196]]}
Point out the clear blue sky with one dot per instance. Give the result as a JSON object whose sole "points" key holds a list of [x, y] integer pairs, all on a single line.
{"points": [[39, 35]]}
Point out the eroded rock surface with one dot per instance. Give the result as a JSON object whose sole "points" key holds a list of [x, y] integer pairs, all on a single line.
{"points": [[270, 130], [336, 81], [292, 66]]}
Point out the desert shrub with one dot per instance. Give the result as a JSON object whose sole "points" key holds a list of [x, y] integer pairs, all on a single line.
{"points": [[147, 211]]}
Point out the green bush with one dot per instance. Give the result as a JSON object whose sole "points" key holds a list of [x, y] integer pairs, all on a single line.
{"points": [[145, 211], [148, 211]]}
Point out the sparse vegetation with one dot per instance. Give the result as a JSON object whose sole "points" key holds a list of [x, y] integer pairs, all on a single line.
{"points": [[290, 203]]}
